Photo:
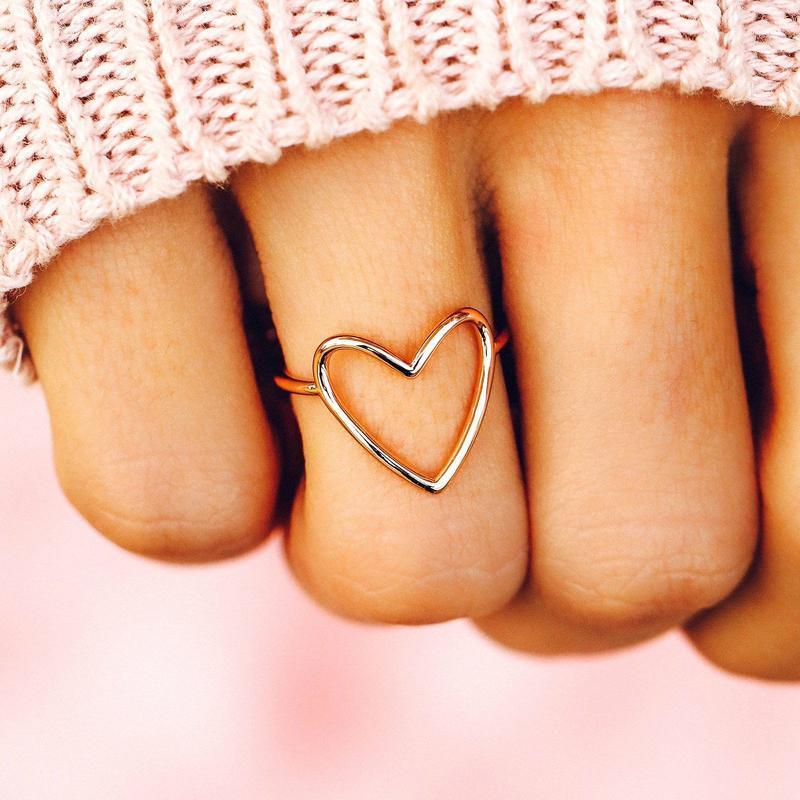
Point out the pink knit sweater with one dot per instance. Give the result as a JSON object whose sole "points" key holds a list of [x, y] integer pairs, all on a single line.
{"points": [[106, 105]]}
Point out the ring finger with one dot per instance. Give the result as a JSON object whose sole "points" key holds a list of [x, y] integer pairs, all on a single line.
{"points": [[375, 236]]}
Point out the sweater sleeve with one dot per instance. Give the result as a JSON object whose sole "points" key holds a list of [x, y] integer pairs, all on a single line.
{"points": [[107, 105]]}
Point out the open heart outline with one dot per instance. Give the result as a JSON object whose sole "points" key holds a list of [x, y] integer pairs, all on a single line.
{"points": [[480, 398]]}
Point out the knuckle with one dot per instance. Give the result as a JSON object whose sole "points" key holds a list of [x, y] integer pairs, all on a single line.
{"points": [[185, 508], [645, 575], [415, 573]]}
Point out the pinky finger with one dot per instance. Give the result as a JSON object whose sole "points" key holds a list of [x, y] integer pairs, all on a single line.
{"points": [[160, 439]]}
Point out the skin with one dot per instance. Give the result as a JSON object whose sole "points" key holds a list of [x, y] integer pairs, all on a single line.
{"points": [[622, 502]]}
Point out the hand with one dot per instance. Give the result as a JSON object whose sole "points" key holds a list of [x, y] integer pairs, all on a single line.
{"points": [[634, 478]]}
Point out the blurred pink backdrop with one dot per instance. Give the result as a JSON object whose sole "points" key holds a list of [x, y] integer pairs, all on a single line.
{"points": [[121, 679]]}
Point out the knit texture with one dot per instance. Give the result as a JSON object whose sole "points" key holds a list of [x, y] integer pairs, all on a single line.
{"points": [[106, 105]]}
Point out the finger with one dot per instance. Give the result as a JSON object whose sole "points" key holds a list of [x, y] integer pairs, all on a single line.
{"points": [[613, 225], [374, 236], [159, 436], [757, 632]]}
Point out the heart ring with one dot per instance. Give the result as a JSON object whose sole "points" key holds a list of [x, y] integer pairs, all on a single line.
{"points": [[321, 385]]}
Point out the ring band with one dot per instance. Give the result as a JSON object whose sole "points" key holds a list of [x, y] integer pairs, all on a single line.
{"points": [[321, 385]]}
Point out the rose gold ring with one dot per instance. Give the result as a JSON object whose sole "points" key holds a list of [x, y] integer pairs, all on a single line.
{"points": [[321, 385]]}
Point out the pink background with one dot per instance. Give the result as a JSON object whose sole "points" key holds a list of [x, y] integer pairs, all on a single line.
{"points": [[123, 679]]}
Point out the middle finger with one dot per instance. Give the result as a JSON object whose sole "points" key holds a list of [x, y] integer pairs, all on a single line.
{"points": [[612, 215]]}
